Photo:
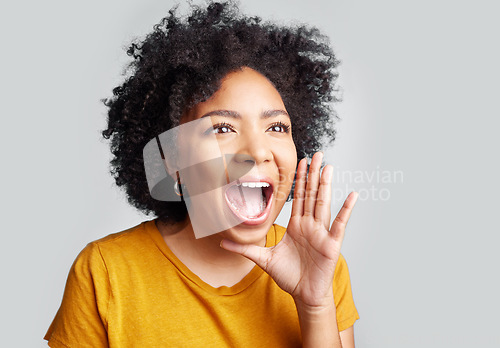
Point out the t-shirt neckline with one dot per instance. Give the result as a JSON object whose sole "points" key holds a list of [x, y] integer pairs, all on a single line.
{"points": [[243, 284]]}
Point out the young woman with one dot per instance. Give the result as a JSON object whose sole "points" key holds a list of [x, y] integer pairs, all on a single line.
{"points": [[258, 96]]}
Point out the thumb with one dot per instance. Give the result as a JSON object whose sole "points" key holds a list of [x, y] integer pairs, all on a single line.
{"points": [[255, 253]]}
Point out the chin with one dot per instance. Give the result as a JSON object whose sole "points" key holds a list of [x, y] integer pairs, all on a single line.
{"points": [[248, 234]]}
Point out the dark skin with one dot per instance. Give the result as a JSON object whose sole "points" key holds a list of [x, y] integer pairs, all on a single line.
{"points": [[179, 65], [178, 68], [303, 263]]}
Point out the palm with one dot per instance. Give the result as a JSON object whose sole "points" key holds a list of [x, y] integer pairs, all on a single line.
{"points": [[303, 263]]}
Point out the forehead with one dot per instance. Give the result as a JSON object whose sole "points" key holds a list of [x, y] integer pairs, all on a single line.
{"points": [[245, 91]]}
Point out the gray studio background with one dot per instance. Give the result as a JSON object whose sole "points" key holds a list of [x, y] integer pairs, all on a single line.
{"points": [[421, 90]]}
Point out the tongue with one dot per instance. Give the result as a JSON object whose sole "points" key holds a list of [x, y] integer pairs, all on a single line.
{"points": [[249, 202]]}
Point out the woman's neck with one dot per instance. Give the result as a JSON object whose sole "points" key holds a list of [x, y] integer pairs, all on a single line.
{"points": [[204, 256]]}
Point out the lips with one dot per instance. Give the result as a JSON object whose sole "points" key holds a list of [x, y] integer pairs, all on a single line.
{"points": [[250, 199]]}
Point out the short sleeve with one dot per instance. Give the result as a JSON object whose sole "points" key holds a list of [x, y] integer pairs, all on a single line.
{"points": [[342, 294], [81, 319]]}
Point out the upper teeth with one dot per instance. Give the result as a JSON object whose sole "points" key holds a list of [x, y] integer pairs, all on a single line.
{"points": [[254, 184]]}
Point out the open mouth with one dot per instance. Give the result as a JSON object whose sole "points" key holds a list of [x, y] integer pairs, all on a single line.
{"points": [[250, 200]]}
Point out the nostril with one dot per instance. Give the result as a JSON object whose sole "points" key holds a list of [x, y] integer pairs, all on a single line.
{"points": [[241, 157], [238, 165]]}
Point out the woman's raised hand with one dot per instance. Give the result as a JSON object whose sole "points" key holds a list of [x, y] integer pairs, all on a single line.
{"points": [[303, 263]]}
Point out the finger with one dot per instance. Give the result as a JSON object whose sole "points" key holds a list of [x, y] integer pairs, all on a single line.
{"points": [[323, 202], [338, 226], [312, 183], [300, 188], [257, 254]]}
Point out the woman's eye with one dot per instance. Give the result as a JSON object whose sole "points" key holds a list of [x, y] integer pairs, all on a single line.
{"points": [[222, 129], [279, 127]]}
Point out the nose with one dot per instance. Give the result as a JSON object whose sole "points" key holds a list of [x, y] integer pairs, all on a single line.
{"points": [[253, 149]]}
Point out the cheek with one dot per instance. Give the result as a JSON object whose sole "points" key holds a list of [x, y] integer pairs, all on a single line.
{"points": [[201, 167], [287, 163]]}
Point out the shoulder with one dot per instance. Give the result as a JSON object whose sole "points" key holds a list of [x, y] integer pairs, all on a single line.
{"points": [[115, 245], [341, 266], [119, 240], [124, 236]]}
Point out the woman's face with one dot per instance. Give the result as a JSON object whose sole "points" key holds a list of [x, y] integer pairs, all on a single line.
{"points": [[247, 124]]}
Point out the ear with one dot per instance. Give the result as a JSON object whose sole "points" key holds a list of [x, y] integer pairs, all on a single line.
{"points": [[169, 162], [160, 174]]}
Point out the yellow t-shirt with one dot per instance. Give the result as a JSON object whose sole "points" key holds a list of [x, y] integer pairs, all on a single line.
{"points": [[129, 290]]}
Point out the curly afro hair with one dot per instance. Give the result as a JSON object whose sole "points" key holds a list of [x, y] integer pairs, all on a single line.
{"points": [[181, 63]]}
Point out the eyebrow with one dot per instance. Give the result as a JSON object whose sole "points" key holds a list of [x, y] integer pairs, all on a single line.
{"points": [[234, 114]]}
